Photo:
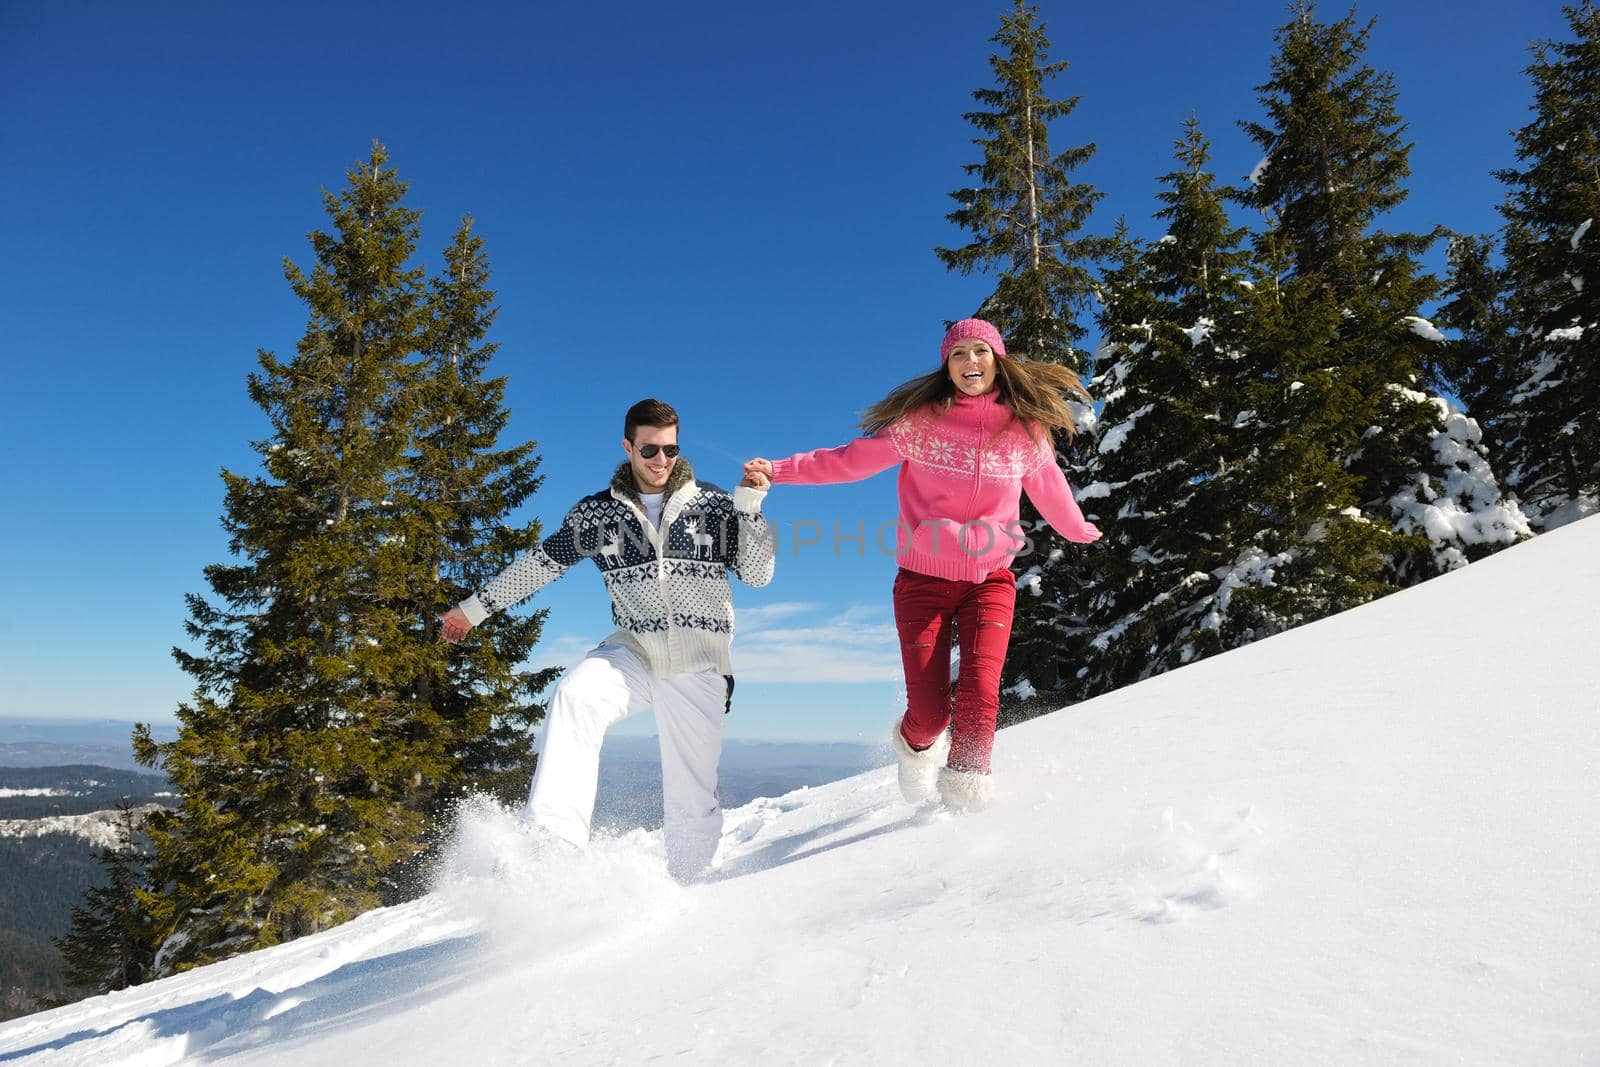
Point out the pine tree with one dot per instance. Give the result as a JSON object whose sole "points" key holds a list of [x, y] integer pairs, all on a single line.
{"points": [[1171, 323], [1025, 216], [112, 941], [1334, 162], [1026, 212], [306, 759], [1477, 364], [462, 489], [1361, 482], [1480, 366], [1303, 548], [1541, 391], [1060, 623]]}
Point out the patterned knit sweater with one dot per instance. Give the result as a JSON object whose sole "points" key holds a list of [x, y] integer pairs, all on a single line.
{"points": [[669, 589], [961, 475]]}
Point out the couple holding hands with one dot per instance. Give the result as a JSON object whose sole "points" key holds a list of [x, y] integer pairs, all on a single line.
{"points": [[969, 438]]}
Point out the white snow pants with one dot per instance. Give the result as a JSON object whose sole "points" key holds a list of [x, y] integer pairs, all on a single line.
{"points": [[610, 684]]}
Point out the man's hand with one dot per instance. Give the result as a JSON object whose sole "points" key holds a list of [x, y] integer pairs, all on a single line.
{"points": [[758, 473], [453, 625]]}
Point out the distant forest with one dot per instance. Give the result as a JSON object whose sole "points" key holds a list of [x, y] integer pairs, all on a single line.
{"points": [[43, 877]]}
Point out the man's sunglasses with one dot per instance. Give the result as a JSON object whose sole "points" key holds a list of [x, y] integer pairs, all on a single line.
{"points": [[649, 451]]}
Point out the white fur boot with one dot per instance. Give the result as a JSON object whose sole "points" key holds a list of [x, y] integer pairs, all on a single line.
{"points": [[918, 769], [965, 790]]}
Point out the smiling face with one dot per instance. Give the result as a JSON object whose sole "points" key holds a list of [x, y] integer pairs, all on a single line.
{"points": [[650, 475], [971, 366]]}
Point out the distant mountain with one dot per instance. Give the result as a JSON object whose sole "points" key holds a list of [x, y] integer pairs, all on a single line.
{"points": [[40, 792], [23, 730], [61, 742], [53, 823], [630, 775]]}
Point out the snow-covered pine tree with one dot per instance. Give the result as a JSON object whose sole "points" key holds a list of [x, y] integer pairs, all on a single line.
{"points": [[1171, 323], [305, 758], [1477, 366], [1548, 417], [1025, 215], [1362, 482], [112, 941], [461, 487]]}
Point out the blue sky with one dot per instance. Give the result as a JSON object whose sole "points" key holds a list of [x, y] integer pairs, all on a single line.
{"points": [[731, 206]]}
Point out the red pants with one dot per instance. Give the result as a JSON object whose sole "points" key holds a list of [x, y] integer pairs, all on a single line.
{"points": [[924, 608]]}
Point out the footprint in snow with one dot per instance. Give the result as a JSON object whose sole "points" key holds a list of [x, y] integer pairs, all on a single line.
{"points": [[745, 831], [1184, 870]]}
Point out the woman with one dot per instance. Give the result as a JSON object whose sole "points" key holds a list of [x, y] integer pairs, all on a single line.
{"points": [[969, 438]]}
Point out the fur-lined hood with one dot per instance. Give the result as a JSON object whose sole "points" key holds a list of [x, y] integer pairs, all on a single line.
{"points": [[622, 481]]}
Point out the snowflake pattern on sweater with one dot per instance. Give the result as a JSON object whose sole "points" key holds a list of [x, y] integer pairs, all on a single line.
{"points": [[963, 469], [1012, 454]]}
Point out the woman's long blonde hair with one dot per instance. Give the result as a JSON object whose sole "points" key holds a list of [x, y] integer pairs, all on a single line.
{"points": [[1035, 394]]}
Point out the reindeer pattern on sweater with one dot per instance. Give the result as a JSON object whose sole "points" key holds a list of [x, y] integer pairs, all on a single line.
{"points": [[669, 590]]}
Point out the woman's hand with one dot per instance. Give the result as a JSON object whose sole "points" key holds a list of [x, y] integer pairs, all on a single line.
{"points": [[453, 625], [759, 466]]}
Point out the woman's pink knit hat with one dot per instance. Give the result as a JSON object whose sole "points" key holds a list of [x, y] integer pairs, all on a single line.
{"points": [[978, 330]]}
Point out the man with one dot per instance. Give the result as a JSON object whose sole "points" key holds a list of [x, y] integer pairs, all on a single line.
{"points": [[664, 545]]}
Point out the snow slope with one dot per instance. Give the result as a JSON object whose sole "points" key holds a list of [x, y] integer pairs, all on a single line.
{"points": [[1373, 839]]}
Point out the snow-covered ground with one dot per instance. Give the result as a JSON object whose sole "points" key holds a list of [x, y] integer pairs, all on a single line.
{"points": [[1373, 839]]}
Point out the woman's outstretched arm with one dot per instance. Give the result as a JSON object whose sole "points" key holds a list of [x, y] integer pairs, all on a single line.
{"points": [[1047, 488], [861, 458]]}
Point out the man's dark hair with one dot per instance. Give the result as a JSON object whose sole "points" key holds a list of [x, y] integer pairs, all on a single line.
{"points": [[650, 412]]}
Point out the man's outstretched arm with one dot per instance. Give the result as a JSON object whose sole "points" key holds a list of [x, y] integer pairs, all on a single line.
{"points": [[527, 574]]}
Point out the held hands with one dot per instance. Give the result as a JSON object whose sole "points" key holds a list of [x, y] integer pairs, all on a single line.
{"points": [[758, 474], [453, 625]]}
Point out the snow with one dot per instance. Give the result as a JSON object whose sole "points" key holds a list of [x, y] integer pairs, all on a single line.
{"points": [[39, 793], [1113, 633], [1114, 438], [102, 829], [1540, 379], [1423, 328], [1022, 689], [1566, 333], [1258, 172], [1031, 582], [1200, 331], [1253, 568], [1571, 511], [1368, 840], [1577, 235], [1466, 509]]}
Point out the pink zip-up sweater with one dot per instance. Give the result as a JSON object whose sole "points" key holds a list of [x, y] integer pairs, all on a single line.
{"points": [[961, 475]]}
